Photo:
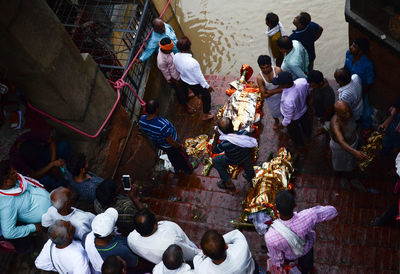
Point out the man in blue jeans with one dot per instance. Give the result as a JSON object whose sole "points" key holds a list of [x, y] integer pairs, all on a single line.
{"points": [[237, 147]]}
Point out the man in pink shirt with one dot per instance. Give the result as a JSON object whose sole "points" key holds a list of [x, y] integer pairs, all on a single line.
{"points": [[165, 62], [294, 106], [281, 251]]}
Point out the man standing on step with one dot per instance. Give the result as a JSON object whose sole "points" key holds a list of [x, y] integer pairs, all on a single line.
{"points": [[163, 133], [290, 238], [237, 147]]}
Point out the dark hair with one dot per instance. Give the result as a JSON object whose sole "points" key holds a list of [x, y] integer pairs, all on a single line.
{"points": [[173, 257], [272, 19], [315, 76], [362, 44], [5, 168], [112, 265], [213, 245], [263, 60], [106, 192], [75, 163], [225, 125], [165, 41], [144, 222], [344, 75], [284, 202], [285, 43], [152, 106], [30, 151], [305, 18], [184, 44]]}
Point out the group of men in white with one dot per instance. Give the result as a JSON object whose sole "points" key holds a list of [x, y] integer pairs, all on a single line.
{"points": [[80, 242]]}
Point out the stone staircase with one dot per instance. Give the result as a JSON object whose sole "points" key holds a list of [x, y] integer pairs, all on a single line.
{"points": [[347, 244]]}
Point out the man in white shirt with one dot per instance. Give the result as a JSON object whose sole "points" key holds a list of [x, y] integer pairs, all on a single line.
{"points": [[151, 238], [191, 75], [350, 91], [172, 262], [228, 254], [61, 199], [61, 253]]}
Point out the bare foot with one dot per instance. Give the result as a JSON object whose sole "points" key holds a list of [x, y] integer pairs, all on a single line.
{"points": [[276, 126], [190, 94], [207, 116]]}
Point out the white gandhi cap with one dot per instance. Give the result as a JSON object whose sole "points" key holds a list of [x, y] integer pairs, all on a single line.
{"points": [[103, 224]]}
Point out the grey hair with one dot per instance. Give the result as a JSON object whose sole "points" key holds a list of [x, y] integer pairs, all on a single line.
{"points": [[58, 233], [61, 201]]}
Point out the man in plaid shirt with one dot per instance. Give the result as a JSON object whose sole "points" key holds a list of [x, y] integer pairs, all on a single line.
{"points": [[282, 257]]}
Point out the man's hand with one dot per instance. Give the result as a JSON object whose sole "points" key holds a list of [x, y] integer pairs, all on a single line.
{"points": [[58, 163], [361, 155], [39, 227], [210, 89], [382, 127], [133, 192], [137, 61]]}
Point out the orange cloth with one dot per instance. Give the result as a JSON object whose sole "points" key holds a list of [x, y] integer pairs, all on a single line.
{"points": [[166, 47]]}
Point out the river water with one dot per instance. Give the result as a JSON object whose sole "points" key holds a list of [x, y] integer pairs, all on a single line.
{"points": [[228, 33]]}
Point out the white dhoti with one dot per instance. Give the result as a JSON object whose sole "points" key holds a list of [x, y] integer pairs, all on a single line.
{"points": [[341, 159]]}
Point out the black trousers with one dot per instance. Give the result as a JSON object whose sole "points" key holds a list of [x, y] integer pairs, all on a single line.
{"points": [[181, 92], [205, 95], [306, 262], [179, 159], [296, 127]]}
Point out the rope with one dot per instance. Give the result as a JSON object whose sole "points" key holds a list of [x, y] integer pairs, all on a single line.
{"points": [[118, 85]]}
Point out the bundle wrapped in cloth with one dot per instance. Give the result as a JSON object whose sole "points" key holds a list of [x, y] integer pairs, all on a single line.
{"points": [[271, 177], [373, 146]]}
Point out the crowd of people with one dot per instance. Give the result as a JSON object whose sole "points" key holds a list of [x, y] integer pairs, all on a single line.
{"points": [[43, 178]]}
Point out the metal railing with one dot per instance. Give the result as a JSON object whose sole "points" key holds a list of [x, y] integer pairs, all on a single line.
{"points": [[111, 31]]}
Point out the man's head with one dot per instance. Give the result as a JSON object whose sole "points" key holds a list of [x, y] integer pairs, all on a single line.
{"points": [[158, 25], [106, 193], [343, 110], [145, 222], [342, 76], [284, 80], [8, 175], [315, 79], [184, 44], [173, 257], [166, 45], [285, 44], [271, 20], [285, 204], [359, 47], [103, 224], [77, 164], [152, 106], [213, 245], [264, 62], [61, 233], [302, 20], [225, 125], [114, 265], [61, 198]]}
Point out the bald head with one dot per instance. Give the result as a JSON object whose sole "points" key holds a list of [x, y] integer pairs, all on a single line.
{"points": [[158, 25], [61, 197], [61, 233], [343, 110], [225, 125], [213, 245], [173, 257]]}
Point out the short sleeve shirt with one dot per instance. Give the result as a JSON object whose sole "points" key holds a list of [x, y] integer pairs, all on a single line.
{"points": [[158, 129], [119, 247], [363, 68], [307, 36]]}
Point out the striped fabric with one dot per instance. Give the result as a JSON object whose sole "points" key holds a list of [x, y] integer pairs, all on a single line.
{"points": [[158, 129]]}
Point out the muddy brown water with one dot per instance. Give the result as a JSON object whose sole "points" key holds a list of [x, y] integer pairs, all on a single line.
{"points": [[228, 33]]}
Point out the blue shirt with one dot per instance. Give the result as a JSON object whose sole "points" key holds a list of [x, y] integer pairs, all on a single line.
{"points": [[119, 247], [27, 207], [307, 38], [363, 68], [296, 61], [158, 129], [233, 153], [155, 38], [87, 188]]}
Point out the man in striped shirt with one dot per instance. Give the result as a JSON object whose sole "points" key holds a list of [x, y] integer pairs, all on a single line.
{"points": [[163, 133]]}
